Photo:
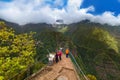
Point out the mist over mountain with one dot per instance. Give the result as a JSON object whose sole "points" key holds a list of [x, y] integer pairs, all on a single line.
{"points": [[38, 27], [47, 11]]}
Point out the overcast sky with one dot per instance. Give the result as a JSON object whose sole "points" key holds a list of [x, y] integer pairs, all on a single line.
{"points": [[71, 11]]}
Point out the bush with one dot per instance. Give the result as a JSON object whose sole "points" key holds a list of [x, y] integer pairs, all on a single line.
{"points": [[37, 66], [91, 77]]}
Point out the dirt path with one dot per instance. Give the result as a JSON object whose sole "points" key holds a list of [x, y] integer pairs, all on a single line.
{"points": [[63, 70]]}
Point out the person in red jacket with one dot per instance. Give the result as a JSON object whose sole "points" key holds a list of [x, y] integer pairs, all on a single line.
{"points": [[60, 54]]}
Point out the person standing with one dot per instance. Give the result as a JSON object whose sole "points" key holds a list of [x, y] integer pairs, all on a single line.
{"points": [[50, 58], [67, 52], [56, 57], [60, 54]]}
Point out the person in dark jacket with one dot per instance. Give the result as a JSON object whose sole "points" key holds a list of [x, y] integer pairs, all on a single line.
{"points": [[56, 57]]}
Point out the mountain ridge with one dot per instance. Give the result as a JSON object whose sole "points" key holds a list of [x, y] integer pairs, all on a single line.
{"points": [[115, 30], [34, 27]]}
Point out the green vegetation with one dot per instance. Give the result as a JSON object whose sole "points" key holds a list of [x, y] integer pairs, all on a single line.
{"points": [[96, 49], [99, 52], [63, 29], [95, 39], [91, 77], [22, 52], [16, 52], [51, 39]]}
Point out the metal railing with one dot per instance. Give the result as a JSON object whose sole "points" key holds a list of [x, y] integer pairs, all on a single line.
{"points": [[29, 71], [77, 67]]}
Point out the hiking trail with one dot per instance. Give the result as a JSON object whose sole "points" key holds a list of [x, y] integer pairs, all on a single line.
{"points": [[63, 70]]}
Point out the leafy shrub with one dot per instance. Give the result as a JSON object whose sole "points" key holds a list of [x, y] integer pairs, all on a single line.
{"points": [[91, 77], [16, 52]]}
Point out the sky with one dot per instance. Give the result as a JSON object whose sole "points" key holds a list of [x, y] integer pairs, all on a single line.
{"points": [[71, 11]]}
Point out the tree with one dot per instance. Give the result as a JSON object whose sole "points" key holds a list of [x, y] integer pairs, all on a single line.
{"points": [[16, 51]]}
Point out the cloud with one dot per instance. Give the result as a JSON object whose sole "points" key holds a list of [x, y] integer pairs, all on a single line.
{"points": [[107, 18], [59, 3], [47, 11]]}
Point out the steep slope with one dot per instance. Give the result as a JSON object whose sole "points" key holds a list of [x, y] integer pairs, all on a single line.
{"points": [[40, 27], [98, 50], [15, 26], [114, 30]]}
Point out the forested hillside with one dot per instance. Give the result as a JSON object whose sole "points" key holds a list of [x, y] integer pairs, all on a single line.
{"points": [[39, 27], [114, 30], [96, 46], [98, 49], [51, 40]]}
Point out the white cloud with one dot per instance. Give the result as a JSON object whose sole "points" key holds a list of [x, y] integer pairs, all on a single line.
{"points": [[107, 18], [35, 11], [59, 2]]}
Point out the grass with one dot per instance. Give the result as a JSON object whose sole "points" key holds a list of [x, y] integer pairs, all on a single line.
{"points": [[63, 29]]}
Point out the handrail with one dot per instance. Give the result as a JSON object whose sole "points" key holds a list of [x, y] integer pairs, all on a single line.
{"points": [[77, 66], [72, 58]]}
